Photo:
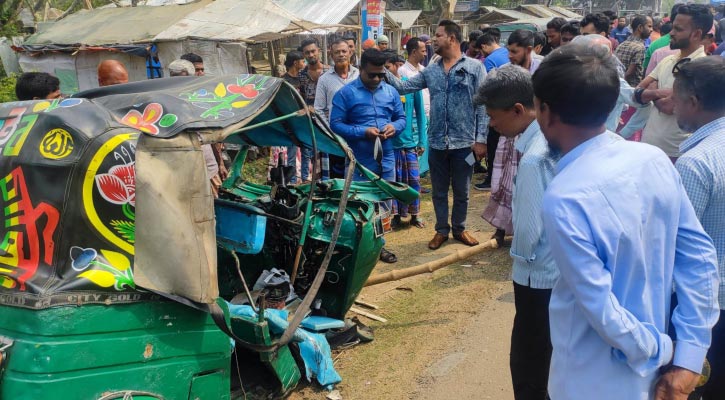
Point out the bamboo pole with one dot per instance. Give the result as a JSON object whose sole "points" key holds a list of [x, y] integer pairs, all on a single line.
{"points": [[432, 265]]}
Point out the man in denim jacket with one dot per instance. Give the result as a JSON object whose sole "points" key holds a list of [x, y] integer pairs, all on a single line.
{"points": [[457, 129]]}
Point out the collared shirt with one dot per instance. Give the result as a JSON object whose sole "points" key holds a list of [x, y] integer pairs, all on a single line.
{"points": [[534, 264], [409, 71], [328, 84], [662, 129], [658, 56], [455, 122], [702, 167], [308, 86], [629, 52], [355, 108], [624, 235]]}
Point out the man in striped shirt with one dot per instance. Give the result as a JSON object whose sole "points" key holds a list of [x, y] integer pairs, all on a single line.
{"points": [[508, 96], [700, 108]]}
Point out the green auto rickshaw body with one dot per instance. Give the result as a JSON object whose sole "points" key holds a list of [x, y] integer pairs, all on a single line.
{"points": [[109, 261]]}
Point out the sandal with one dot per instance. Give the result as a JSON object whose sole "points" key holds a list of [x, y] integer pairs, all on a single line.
{"points": [[387, 257], [418, 223]]}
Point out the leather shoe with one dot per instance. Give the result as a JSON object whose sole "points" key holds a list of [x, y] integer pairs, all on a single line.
{"points": [[437, 241], [465, 238]]}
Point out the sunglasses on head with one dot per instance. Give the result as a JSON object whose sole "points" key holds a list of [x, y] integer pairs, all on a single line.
{"points": [[678, 66]]}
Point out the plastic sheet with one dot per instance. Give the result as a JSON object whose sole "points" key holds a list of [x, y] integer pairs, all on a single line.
{"points": [[314, 349]]}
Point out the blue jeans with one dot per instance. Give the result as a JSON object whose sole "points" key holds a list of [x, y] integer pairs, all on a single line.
{"points": [[448, 168], [292, 161], [307, 157]]}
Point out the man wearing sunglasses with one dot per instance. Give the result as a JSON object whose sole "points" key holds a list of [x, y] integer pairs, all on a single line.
{"points": [[691, 24], [700, 108], [368, 113]]}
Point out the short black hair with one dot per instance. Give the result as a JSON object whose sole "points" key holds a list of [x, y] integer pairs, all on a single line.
{"points": [[675, 10], [487, 38], [452, 29], [610, 14], [521, 38], [292, 57], [638, 21], [705, 79], [474, 35], [308, 42], [391, 56], [572, 28], [578, 83], [540, 39], [599, 20], [32, 85], [350, 37], [666, 28], [701, 17], [506, 86], [192, 58], [412, 45], [374, 57], [493, 31], [556, 23]]}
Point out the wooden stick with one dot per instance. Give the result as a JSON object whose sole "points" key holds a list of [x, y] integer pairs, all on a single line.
{"points": [[366, 304], [367, 314], [432, 265]]}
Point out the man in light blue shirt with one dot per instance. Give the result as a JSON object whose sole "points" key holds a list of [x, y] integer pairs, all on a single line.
{"points": [[624, 236], [700, 108], [508, 95]]}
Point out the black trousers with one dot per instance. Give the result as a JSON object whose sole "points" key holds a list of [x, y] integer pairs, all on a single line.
{"points": [[491, 144], [715, 387], [530, 343]]}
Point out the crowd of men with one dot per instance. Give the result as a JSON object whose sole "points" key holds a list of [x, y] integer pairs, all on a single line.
{"points": [[618, 247]]}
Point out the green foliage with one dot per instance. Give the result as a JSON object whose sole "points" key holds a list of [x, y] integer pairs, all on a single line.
{"points": [[7, 89]]}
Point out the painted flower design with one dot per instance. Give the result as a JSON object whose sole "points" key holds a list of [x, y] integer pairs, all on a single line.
{"points": [[118, 186], [145, 122]]}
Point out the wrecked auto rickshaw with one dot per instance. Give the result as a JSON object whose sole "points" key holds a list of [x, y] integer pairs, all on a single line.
{"points": [[118, 267]]}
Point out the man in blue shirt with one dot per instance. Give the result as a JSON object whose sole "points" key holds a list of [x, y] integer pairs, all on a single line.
{"points": [[368, 111], [622, 31], [700, 108], [496, 55], [509, 98], [457, 129], [624, 236]]}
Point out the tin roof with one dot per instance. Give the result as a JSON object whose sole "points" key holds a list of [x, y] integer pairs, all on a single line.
{"points": [[406, 19]]}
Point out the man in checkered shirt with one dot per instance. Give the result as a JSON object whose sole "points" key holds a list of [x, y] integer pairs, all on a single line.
{"points": [[700, 108], [631, 51]]}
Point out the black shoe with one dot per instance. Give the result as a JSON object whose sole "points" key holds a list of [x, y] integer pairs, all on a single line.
{"points": [[483, 186], [387, 257]]}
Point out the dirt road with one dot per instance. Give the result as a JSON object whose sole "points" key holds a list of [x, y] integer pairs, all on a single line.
{"points": [[447, 334]]}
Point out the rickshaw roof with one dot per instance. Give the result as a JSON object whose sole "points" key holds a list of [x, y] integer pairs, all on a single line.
{"points": [[217, 108]]}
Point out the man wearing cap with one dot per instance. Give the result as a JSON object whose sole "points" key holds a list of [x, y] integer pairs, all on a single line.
{"points": [[383, 42]]}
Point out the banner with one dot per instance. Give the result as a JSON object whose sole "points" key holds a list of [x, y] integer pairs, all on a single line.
{"points": [[373, 16]]}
